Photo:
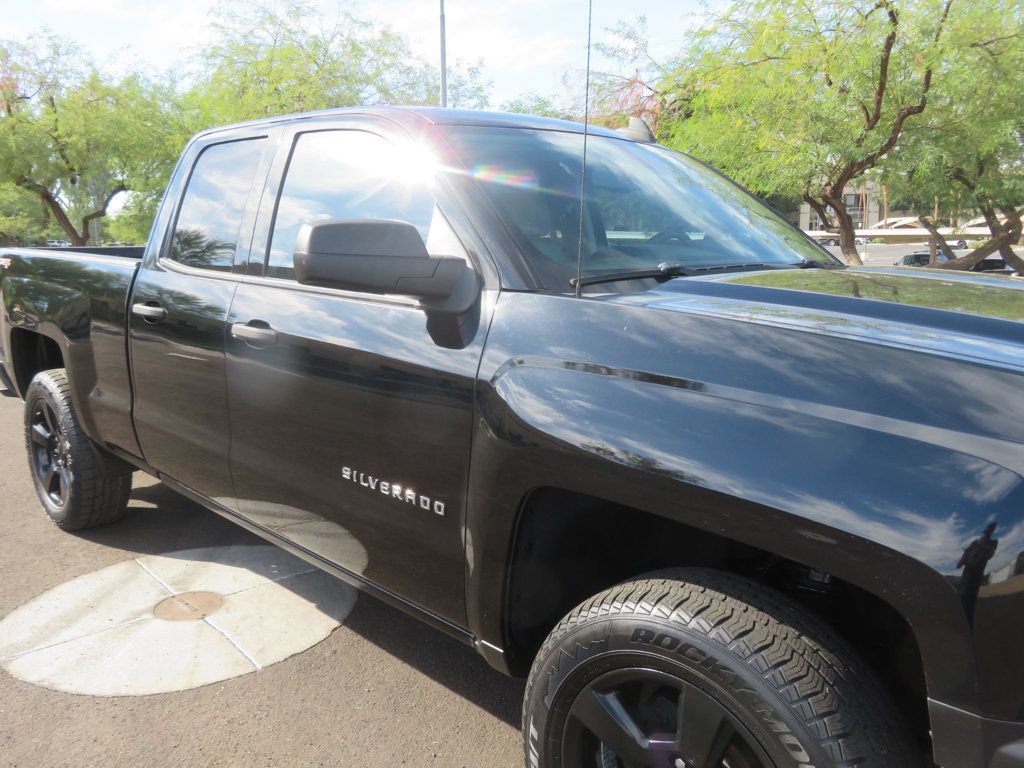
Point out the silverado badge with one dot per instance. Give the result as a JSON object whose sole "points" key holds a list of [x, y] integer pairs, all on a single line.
{"points": [[394, 490]]}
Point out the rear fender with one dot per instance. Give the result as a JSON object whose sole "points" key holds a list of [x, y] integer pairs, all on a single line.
{"points": [[59, 313]]}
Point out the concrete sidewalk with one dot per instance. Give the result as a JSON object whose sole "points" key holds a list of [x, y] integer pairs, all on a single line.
{"points": [[382, 690]]}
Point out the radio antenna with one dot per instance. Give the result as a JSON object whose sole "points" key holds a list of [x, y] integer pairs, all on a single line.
{"points": [[583, 169]]}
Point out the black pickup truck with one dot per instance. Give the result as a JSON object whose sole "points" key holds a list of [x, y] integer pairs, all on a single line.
{"points": [[727, 502]]}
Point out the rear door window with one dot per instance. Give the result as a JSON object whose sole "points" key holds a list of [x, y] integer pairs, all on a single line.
{"points": [[206, 232]]}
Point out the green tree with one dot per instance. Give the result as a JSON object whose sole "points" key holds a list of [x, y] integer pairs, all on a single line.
{"points": [[281, 58], [534, 104], [802, 99], [630, 87], [969, 152], [24, 219], [71, 135]]}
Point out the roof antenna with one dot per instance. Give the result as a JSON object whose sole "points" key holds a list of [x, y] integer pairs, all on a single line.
{"points": [[583, 170]]}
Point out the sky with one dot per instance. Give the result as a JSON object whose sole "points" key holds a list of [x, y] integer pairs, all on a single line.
{"points": [[525, 45]]}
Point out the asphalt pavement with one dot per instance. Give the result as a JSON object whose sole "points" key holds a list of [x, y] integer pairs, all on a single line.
{"points": [[382, 690], [884, 255]]}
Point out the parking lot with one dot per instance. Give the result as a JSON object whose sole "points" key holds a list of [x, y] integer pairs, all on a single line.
{"points": [[381, 690], [884, 255]]}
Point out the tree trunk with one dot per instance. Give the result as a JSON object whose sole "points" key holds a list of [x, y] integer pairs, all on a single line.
{"points": [[938, 241], [1008, 233], [847, 243], [100, 212], [75, 237], [821, 210], [54, 206], [1006, 249]]}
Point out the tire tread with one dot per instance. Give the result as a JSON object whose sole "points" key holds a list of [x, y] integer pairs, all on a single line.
{"points": [[102, 484], [808, 665]]}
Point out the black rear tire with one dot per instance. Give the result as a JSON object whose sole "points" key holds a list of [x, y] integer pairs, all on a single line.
{"points": [[79, 484], [696, 668]]}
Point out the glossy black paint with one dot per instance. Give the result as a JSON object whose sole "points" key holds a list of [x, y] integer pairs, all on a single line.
{"points": [[856, 421], [80, 303], [178, 371], [359, 384], [647, 413]]}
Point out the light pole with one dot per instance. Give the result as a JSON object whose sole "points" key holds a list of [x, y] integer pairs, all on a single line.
{"points": [[444, 66]]}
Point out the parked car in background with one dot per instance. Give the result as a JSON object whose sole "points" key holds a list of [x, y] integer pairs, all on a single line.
{"points": [[922, 259], [918, 259], [57, 243], [958, 244], [834, 240], [994, 264]]}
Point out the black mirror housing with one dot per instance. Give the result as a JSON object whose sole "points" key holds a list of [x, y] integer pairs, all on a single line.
{"points": [[377, 256]]}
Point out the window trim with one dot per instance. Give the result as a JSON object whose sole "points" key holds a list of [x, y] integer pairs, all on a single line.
{"points": [[390, 299], [184, 269]]}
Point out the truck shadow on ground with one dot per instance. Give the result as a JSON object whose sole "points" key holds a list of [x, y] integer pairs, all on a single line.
{"points": [[160, 521]]}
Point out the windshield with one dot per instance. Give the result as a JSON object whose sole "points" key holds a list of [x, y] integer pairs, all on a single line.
{"points": [[645, 205]]}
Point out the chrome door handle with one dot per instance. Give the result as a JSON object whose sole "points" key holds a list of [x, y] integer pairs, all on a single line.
{"points": [[254, 334], [149, 312]]}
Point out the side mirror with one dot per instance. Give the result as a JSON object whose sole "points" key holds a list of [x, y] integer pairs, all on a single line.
{"points": [[381, 256]]}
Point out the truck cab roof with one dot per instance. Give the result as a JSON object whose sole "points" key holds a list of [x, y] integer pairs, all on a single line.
{"points": [[415, 119]]}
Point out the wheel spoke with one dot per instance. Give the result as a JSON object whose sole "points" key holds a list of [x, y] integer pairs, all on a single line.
{"points": [[63, 482], [606, 717], [48, 475], [704, 730], [40, 435], [48, 418]]}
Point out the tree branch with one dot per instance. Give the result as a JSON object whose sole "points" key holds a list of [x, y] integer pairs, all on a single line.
{"points": [[820, 210], [1011, 231], [937, 236], [102, 210], [871, 120], [53, 204], [906, 111], [62, 149]]}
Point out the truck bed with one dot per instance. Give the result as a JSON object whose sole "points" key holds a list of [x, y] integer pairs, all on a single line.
{"points": [[77, 298], [128, 251]]}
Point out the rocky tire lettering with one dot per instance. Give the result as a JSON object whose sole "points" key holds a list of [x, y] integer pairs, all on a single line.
{"points": [[701, 668]]}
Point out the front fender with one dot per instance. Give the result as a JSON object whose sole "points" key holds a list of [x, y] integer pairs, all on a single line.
{"points": [[883, 503]]}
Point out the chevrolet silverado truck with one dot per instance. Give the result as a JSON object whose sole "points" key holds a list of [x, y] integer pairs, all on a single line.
{"points": [[725, 502]]}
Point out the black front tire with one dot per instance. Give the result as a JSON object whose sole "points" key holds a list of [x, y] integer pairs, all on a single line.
{"points": [[704, 669], [79, 484]]}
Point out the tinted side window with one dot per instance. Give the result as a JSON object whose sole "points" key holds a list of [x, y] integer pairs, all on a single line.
{"points": [[206, 232], [350, 175]]}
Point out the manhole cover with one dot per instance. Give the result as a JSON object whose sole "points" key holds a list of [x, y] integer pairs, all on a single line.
{"points": [[168, 622], [190, 605]]}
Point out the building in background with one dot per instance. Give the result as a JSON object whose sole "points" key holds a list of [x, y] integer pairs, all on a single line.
{"points": [[868, 206]]}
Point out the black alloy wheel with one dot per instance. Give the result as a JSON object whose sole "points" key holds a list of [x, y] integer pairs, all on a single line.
{"points": [[51, 463], [645, 718], [696, 668], [79, 483]]}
